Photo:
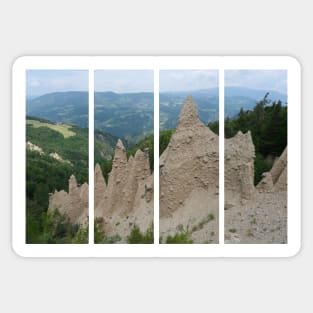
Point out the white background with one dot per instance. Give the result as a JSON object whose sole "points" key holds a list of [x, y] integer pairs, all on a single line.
{"points": [[162, 27]]}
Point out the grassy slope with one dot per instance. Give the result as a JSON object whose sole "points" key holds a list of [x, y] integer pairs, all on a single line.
{"points": [[62, 129]]}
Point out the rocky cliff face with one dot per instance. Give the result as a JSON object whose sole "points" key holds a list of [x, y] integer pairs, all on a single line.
{"points": [[128, 198], [74, 203], [239, 168], [189, 162], [189, 178]]}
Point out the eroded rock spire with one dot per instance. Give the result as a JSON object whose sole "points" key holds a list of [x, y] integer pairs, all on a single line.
{"points": [[100, 185], [189, 114]]}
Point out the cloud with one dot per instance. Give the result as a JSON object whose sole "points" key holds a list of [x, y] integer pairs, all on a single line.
{"points": [[257, 79]]}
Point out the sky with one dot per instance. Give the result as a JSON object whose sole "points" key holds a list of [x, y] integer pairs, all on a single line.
{"points": [[124, 81], [187, 80], [39, 82], [257, 79]]}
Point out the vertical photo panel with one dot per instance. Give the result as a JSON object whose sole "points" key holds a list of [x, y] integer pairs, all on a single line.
{"points": [[256, 156], [123, 156], [57, 156], [189, 156]]}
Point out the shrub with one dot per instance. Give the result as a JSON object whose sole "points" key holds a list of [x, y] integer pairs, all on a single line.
{"points": [[179, 238], [99, 234], [137, 237], [58, 229], [81, 237], [260, 166]]}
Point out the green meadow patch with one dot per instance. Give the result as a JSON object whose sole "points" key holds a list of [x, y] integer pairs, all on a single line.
{"points": [[61, 128]]}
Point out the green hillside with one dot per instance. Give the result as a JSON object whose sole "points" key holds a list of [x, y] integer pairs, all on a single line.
{"points": [[64, 130], [45, 173], [66, 107]]}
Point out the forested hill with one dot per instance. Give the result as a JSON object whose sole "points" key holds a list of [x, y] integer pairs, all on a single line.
{"points": [[67, 107]]}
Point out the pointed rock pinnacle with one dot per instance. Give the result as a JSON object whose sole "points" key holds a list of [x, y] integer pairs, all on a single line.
{"points": [[189, 114], [99, 179], [120, 145], [72, 180]]}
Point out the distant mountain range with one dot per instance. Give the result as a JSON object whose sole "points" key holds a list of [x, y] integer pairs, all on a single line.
{"points": [[67, 107], [130, 116]]}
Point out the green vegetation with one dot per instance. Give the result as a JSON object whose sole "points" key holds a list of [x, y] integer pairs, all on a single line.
{"points": [[44, 174], [62, 129], [106, 167], [182, 237], [232, 230], [99, 234], [82, 235], [104, 152], [104, 145], [56, 228], [73, 148], [137, 237], [268, 125], [214, 126], [210, 217], [165, 137]]}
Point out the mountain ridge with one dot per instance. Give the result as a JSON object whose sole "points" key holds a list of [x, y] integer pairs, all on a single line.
{"points": [[114, 112]]}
